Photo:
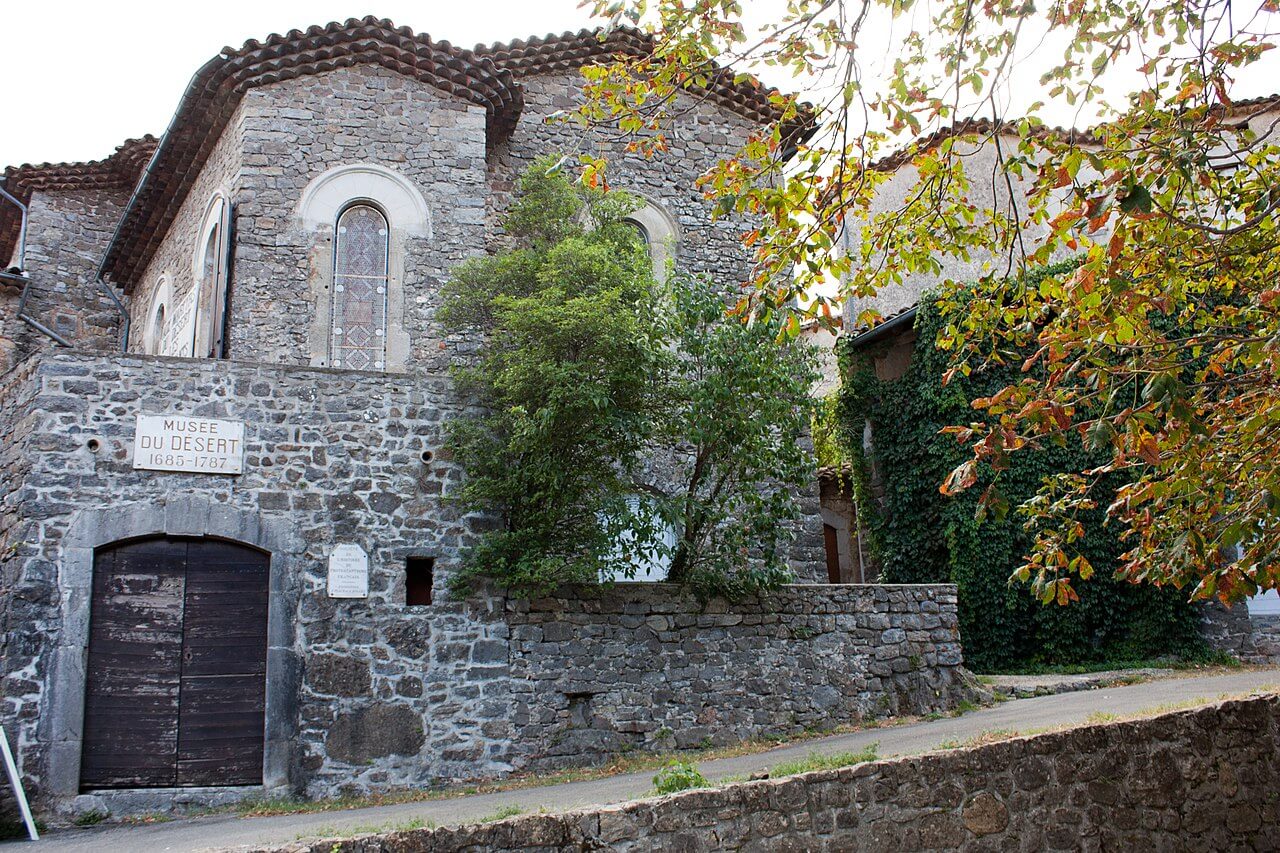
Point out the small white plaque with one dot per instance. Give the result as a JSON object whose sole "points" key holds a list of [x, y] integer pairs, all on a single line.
{"points": [[348, 572], [194, 445]]}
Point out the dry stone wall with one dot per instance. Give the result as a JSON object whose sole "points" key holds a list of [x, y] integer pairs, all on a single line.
{"points": [[644, 666], [1201, 780]]}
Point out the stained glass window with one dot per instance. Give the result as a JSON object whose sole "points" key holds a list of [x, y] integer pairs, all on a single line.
{"points": [[359, 323]]}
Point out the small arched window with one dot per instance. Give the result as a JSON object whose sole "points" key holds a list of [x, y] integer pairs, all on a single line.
{"points": [[658, 230], [155, 324], [156, 338], [210, 270], [358, 333]]}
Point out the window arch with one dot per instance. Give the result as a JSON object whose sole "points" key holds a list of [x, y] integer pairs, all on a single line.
{"points": [[157, 329], [660, 232], [209, 267], [154, 323], [361, 252]]}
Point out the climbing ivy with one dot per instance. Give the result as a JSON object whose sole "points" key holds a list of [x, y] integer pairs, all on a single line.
{"points": [[922, 536]]}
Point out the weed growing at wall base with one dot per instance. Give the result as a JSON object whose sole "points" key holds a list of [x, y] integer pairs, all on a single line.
{"points": [[679, 776]]}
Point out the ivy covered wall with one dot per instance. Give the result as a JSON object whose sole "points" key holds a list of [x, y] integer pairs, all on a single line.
{"points": [[922, 536]]}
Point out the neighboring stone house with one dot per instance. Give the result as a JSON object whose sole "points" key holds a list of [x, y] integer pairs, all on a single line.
{"points": [[224, 528], [1252, 632]]}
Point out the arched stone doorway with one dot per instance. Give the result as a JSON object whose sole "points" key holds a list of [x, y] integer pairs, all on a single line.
{"points": [[191, 517], [175, 682]]}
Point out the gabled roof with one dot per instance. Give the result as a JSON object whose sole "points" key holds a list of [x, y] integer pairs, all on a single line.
{"points": [[120, 171]]}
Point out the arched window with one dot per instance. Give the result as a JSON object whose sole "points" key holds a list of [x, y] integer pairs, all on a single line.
{"points": [[154, 324], [157, 330], [358, 333], [210, 269], [660, 233]]}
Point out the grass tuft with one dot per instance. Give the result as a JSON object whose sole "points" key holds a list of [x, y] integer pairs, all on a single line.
{"points": [[502, 813], [830, 761]]}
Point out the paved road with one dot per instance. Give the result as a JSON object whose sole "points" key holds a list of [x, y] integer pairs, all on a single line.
{"points": [[1022, 714]]}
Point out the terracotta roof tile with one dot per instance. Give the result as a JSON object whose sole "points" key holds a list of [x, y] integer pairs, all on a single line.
{"points": [[568, 51], [487, 76], [120, 171], [987, 127], [970, 127]]}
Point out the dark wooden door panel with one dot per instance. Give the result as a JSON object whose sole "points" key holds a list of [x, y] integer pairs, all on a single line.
{"points": [[176, 688], [132, 683], [224, 665]]}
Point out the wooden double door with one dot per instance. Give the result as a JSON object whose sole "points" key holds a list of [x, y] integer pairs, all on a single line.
{"points": [[175, 691]]}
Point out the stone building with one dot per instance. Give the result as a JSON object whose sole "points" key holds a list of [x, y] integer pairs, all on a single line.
{"points": [[224, 526]]}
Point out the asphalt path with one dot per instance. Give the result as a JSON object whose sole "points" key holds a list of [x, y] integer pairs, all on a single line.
{"points": [[224, 831]]}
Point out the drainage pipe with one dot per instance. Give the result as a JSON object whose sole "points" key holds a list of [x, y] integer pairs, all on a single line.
{"points": [[26, 279]]}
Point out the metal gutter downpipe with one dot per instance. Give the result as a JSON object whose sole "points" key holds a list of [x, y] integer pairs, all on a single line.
{"points": [[22, 269], [22, 229], [187, 95]]}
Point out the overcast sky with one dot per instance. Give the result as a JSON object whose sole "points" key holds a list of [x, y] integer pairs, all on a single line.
{"points": [[78, 78]]}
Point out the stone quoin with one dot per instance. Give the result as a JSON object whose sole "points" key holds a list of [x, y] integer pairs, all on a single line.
{"points": [[225, 529]]}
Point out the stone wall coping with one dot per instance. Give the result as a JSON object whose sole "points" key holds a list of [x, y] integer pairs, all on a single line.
{"points": [[980, 796], [675, 594], [139, 359]]}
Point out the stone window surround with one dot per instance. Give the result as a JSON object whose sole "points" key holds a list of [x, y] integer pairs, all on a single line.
{"points": [[661, 233], [323, 200], [216, 217], [90, 529]]}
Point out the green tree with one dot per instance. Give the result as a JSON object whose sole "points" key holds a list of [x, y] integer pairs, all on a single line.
{"points": [[1159, 349], [562, 384], [735, 407], [585, 367]]}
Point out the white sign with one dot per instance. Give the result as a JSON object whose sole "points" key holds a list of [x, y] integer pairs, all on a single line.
{"points": [[348, 572], [181, 443], [178, 337]]}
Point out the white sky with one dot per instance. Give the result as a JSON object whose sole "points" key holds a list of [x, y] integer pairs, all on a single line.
{"points": [[78, 78]]}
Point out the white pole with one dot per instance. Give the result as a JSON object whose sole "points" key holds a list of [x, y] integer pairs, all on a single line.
{"points": [[16, 784]]}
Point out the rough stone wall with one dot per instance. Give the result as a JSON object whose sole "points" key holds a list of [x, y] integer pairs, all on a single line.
{"points": [[18, 592], [293, 132], [1266, 638], [702, 133], [1227, 629], [67, 234], [284, 135], [1193, 780], [390, 694], [643, 666]]}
